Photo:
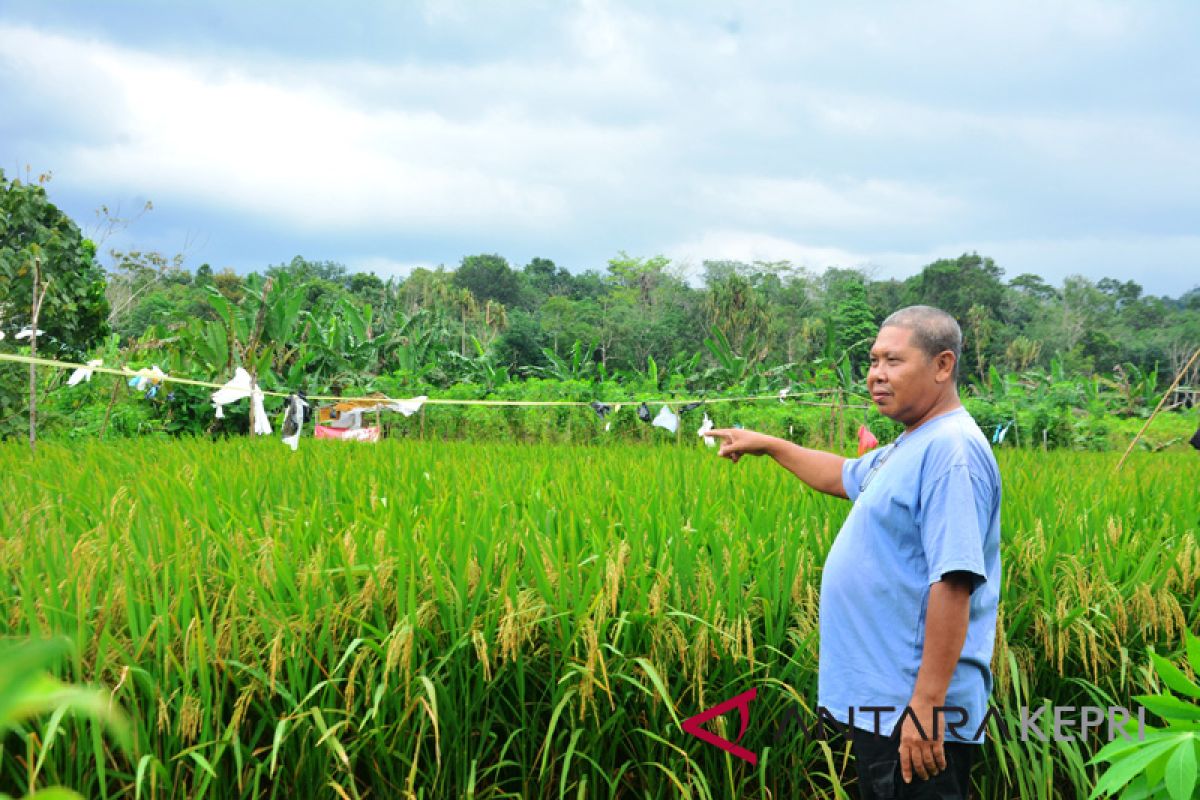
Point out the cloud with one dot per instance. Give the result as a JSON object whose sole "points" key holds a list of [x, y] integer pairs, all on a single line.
{"points": [[844, 133], [386, 267], [748, 246], [1153, 262], [302, 155], [845, 205]]}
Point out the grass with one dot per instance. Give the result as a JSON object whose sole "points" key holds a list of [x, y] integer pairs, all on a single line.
{"points": [[422, 619]]}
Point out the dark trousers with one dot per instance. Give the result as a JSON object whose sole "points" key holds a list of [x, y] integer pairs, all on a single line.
{"points": [[878, 761]]}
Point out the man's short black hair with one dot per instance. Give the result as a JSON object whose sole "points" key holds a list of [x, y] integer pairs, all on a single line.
{"points": [[934, 331]]}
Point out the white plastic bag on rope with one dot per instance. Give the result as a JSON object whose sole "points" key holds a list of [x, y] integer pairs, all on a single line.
{"points": [[666, 419], [84, 373]]}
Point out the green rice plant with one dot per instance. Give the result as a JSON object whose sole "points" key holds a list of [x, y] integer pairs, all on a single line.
{"points": [[453, 619], [28, 691]]}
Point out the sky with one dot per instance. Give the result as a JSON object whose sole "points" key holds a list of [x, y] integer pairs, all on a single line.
{"points": [[1058, 138]]}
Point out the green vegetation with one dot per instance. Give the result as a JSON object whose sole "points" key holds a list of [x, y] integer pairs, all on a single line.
{"points": [[433, 617], [27, 691], [1163, 762], [444, 619], [1066, 361]]}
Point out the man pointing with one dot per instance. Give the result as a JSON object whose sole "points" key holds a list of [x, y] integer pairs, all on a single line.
{"points": [[911, 585]]}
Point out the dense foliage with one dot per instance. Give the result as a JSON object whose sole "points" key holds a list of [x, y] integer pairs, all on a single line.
{"points": [[431, 619], [1043, 355]]}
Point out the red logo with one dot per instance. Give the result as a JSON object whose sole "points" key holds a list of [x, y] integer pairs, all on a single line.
{"points": [[742, 701]]}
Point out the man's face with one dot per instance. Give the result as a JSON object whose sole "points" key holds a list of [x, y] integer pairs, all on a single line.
{"points": [[902, 380]]}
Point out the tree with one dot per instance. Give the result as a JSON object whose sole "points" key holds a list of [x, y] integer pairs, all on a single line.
{"points": [[169, 306], [1032, 285], [980, 327], [884, 297], [954, 285], [427, 289], [489, 277], [1021, 353], [368, 287], [1084, 309], [521, 343], [850, 315], [566, 321], [135, 276], [75, 312], [49, 279], [1123, 293], [635, 278], [736, 309], [588, 285], [300, 269], [547, 279], [326, 282], [231, 285]]}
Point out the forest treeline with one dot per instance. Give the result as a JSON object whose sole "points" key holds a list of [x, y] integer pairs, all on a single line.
{"points": [[486, 321]]}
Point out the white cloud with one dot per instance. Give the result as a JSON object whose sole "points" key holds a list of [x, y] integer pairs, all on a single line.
{"points": [[748, 246], [386, 267], [1042, 134], [845, 204], [302, 155], [1154, 262], [1070, 136]]}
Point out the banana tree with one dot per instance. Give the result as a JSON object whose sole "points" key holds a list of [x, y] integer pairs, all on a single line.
{"points": [[341, 347], [579, 367], [484, 368], [257, 333], [1136, 389], [413, 347], [733, 369]]}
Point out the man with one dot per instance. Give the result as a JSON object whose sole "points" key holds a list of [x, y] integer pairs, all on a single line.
{"points": [[910, 588]]}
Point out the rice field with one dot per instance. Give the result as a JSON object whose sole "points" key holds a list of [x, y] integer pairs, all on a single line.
{"points": [[438, 620]]}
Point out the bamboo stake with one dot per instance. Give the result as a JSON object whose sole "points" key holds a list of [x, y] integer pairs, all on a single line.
{"points": [[37, 295], [112, 400], [1167, 394], [252, 346]]}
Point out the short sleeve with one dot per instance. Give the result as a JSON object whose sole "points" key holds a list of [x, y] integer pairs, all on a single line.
{"points": [[954, 518], [854, 470]]}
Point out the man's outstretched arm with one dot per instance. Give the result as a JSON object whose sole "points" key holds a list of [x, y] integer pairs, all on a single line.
{"points": [[819, 469]]}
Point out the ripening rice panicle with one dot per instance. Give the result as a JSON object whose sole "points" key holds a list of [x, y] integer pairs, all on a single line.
{"points": [[481, 651], [523, 620]]}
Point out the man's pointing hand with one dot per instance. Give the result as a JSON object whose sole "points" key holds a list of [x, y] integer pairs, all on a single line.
{"points": [[736, 442]]}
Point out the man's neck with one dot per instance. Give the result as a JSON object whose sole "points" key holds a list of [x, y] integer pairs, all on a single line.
{"points": [[948, 403]]}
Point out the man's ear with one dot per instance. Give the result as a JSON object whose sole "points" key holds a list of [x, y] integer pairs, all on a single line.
{"points": [[944, 361]]}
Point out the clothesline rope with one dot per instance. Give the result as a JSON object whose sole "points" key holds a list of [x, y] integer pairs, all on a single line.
{"points": [[126, 372]]}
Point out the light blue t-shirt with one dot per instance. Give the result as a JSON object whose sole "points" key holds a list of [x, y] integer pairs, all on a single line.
{"points": [[931, 507]]}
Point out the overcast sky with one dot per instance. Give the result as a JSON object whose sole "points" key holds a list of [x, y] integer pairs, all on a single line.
{"points": [[1056, 137]]}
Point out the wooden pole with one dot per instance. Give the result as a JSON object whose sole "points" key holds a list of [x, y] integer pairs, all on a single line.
{"points": [[840, 426], [108, 411], [37, 296], [33, 315], [252, 346], [1167, 394]]}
